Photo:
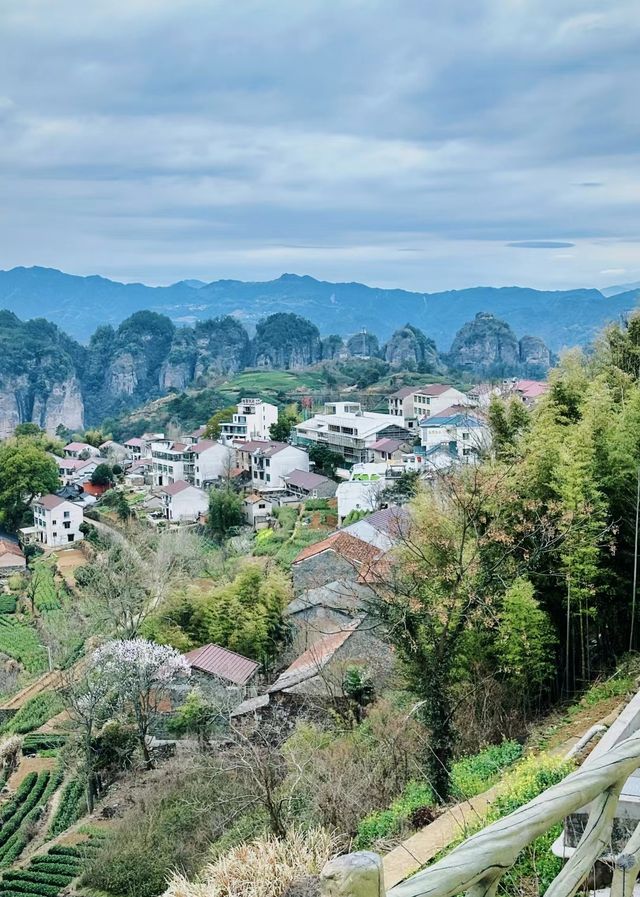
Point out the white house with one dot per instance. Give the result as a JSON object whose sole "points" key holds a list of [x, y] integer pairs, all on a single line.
{"points": [[57, 521], [252, 420], [183, 502], [257, 510], [363, 489], [172, 462], [412, 403], [211, 461], [466, 434], [348, 430], [271, 462], [80, 450]]}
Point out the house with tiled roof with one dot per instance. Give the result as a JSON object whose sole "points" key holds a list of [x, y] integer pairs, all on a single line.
{"points": [[348, 430], [182, 502], [227, 666], [307, 484], [257, 510], [268, 462], [530, 391], [465, 432], [211, 461], [253, 420], [80, 450], [56, 521], [12, 557], [411, 403], [315, 677]]}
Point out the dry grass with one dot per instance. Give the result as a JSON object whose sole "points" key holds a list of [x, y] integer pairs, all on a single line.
{"points": [[264, 868]]}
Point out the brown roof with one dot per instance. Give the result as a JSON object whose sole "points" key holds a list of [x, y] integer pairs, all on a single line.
{"points": [[50, 501], [253, 498], [222, 663], [386, 445], [135, 440], [77, 446], [404, 392], [9, 547], [433, 389], [305, 479], [178, 447], [354, 550], [455, 409], [203, 445], [314, 659], [175, 488]]}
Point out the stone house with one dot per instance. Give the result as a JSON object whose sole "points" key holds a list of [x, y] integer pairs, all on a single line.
{"points": [[12, 559], [222, 675]]}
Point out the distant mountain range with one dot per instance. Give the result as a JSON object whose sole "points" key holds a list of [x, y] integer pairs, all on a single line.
{"points": [[79, 304]]}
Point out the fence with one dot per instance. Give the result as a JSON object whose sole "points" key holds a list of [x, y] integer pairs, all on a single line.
{"points": [[477, 865]]}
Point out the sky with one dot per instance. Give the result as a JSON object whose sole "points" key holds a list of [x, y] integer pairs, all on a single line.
{"points": [[424, 144]]}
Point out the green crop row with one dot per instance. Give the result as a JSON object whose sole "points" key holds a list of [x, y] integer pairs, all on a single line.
{"points": [[20, 641], [33, 713]]}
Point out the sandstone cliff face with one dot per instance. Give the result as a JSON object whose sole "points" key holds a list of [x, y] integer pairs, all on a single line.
{"points": [[410, 348], [62, 404], [9, 411], [534, 353], [363, 345]]}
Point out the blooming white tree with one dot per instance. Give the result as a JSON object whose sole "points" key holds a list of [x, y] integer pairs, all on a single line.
{"points": [[142, 674]]}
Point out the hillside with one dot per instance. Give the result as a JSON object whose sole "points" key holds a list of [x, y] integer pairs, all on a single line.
{"points": [[79, 304]]}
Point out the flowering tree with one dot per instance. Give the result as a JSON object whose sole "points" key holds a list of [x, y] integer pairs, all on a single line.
{"points": [[141, 673]]}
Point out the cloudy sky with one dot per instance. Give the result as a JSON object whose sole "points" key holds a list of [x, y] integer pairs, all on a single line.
{"points": [[427, 144]]}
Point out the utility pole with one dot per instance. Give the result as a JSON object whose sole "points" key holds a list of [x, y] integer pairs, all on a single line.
{"points": [[635, 566]]}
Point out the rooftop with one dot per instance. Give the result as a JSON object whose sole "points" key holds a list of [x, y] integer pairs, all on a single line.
{"points": [[458, 419], [9, 547], [314, 659], [386, 445], [224, 664], [354, 550], [176, 488], [78, 447], [50, 501], [304, 479]]}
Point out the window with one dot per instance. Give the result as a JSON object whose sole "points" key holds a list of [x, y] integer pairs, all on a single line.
{"points": [[54, 522], [67, 514], [67, 524], [465, 435]]}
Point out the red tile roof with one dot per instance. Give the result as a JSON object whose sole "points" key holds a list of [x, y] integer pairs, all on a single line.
{"points": [[222, 663], [386, 445], [203, 445], [349, 547], [305, 479], [77, 447], [135, 440], [433, 389]]}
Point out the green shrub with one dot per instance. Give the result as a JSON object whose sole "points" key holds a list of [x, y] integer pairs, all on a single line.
{"points": [[31, 887], [59, 850], [35, 743], [8, 604], [20, 641], [70, 808], [44, 878], [472, 775], [385, 823], [316, 504]]}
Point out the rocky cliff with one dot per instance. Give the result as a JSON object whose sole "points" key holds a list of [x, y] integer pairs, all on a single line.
{"points": [[488, 346], [363, 345], [410, 348], [39, 382], [286, 341]]}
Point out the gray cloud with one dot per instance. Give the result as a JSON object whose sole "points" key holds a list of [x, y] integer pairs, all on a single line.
{"points": [[540, 244], [406, 144]]}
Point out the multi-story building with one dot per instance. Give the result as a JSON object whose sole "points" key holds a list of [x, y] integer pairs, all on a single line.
{"points": [[56, 521], [466, 434], [252, 420], [171, 462], [348, 430], [211, 461], [412, 403], [268, 463]]}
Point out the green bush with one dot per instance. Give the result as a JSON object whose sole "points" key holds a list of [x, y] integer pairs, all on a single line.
{"points": [[44, 878], [8, 604], [316, 504], [20, 641], [70, 808], [35, 743], [389, 822], [31, 887], [472, 775]]}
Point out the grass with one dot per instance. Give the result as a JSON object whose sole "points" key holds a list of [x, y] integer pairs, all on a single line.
{"points": [[20, 641], [33, 714], [266, 384]]}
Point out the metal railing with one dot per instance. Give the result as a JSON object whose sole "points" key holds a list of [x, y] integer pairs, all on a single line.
{"points": [[477, 865]]}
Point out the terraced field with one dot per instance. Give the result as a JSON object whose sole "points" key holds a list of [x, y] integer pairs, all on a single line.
{"points": [[48, 874]]}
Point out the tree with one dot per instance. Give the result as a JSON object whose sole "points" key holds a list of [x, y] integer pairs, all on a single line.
{"points": [[359, 688], [102, 476], [225, 512], [526, 641], [281, 430], [325, 460], [26, 471], [507, 422], [115, 591], [196, 716], [89, 699], [142, 675], [212, 428], [28, 429], [96, 437]]}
